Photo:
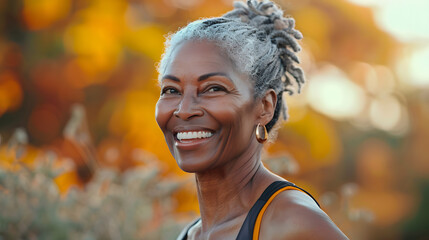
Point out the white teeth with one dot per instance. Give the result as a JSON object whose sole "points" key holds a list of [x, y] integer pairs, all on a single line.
{"points": [[193, 135]]}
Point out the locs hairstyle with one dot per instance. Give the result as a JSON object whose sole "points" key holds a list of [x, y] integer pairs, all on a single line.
{"points": [[259, 41]]}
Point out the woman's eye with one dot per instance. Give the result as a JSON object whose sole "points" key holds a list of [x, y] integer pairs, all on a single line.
{"points": [[215, 89], [169, 91]]}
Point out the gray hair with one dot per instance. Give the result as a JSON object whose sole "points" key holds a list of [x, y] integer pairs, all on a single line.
{"points": [[259, 41]]}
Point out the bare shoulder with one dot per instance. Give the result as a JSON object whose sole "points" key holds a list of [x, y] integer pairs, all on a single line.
{"points": [[294, 215]]}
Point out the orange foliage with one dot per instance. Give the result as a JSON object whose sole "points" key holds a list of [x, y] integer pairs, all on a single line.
{"points": [[39, 14], [10, 92], [312, 141]]}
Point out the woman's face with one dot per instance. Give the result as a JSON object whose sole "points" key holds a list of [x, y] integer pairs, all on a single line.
{"points": [[206, 109]]}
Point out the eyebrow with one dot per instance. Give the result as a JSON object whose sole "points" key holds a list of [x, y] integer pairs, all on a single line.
{"points": [[171, 77], [208, 75], [200, 78]]}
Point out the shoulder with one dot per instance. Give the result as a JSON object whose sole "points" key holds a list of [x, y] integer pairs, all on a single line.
{"points": [[294, 215]]}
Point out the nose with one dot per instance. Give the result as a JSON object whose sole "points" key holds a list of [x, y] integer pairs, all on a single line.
{"points": [[188, 108]]}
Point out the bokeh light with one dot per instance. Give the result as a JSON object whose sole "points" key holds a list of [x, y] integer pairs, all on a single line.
{"points": [[406, 20], [418, 70], [332, 93]]}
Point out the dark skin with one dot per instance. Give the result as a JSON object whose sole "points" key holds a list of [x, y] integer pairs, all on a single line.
{"points": [[203, 91]]}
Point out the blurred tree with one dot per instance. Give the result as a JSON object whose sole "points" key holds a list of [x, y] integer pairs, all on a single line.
{"points": [[103, 55]]}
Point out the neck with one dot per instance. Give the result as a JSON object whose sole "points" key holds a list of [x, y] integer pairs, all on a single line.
{"points": [[228, 192]]}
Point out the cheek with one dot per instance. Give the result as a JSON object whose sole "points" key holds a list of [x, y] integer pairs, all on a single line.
{"points": [[163, 112], [232, 114]]}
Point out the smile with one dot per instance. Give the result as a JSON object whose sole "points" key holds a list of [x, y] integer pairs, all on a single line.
{"points": [[193, 135]]}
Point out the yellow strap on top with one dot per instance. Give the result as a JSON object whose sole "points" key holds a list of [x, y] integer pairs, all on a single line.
{"points": [[261, 213]]}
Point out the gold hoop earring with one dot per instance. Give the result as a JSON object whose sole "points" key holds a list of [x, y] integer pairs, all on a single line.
{"points": [[261, 133]]}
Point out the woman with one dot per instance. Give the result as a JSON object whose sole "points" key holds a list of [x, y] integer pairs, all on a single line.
{"points": [[222, 81]]}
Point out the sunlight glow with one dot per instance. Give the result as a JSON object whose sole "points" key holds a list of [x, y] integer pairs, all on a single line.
{"points": [[332, 93], [386, 113], [412, 67], [406, 20], [419, 71]]}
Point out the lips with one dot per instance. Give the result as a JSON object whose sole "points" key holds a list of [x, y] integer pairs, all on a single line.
{"points": [[189, 135], [192, 139]]}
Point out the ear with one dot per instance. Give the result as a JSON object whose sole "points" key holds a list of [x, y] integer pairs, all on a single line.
{"points": [[268, 105]]}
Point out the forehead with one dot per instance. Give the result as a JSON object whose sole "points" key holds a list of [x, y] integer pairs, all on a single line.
{"points": [[198, 57]]}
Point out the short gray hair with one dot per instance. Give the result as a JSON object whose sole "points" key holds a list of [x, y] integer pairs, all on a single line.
{"points": [[259, 41]]}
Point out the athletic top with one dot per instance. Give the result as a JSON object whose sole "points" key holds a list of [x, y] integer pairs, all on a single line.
{"points": [[252, 223]]}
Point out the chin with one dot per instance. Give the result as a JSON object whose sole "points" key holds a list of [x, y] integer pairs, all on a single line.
{"points": [[191, 167], [194, 165], [194, 161]]}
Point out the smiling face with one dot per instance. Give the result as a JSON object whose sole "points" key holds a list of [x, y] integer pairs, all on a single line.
{"points": [[206, 109]]}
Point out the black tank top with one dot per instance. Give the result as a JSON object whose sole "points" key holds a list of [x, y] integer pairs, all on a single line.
{"points": [[251, 226]]}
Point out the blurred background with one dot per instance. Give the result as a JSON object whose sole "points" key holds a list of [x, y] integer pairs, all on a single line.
{"points": [[81, 155]]}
